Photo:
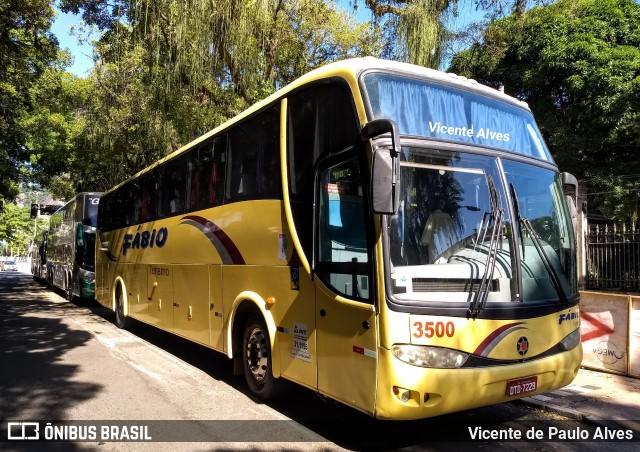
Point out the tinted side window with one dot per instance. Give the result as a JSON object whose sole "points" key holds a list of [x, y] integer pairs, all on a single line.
{"points": [[149, 196], [205, 180], [254, 157], [321, 120], [172, 191], [112, 210], [130, 202], [104, 214], [91, 209]]}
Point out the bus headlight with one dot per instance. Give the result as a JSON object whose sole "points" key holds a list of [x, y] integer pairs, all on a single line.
{"points": [[572, 340], [426, 356]]}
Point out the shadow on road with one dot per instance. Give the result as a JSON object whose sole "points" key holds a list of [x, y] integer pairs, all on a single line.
{"points": [[34, 383]]}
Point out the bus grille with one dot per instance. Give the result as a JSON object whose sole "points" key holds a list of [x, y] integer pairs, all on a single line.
{"points": [[450, 285]]}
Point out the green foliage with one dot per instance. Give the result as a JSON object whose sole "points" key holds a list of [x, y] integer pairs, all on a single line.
{"points": [[16, 226], [420, 31], [27, 48], [415, 29], [53, 127], [167, 72], [577, 64]]}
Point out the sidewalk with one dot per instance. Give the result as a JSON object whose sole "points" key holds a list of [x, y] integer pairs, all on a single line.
{"points": [[597, 397]]}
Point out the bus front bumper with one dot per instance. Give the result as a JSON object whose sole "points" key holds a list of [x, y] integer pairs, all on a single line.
{"points": [[410, 392]]}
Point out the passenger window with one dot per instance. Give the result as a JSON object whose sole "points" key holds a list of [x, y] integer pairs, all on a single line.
{"points": [[215, 170], [149, 201], [173, 187], [206, 174], [254, 155]]}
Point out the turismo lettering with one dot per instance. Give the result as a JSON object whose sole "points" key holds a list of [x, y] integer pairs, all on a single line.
{"points": [[159, 271], [145, 239], [484, 133]]}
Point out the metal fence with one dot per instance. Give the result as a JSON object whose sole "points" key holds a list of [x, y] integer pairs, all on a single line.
{"points": [[613, 258]]}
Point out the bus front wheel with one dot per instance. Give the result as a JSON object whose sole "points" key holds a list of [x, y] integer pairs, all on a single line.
{"points": [[121, 318], [257, 359]]}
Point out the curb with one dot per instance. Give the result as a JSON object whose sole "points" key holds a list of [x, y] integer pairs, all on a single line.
{"points": [[569, 413]]}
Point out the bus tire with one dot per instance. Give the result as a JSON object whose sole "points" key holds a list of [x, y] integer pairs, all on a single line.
{"points": [[70, 296], [257, 360], [49, 279], [121, 319]]}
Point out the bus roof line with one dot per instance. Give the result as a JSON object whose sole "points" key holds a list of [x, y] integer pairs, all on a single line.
{"points": [[349, 69]]}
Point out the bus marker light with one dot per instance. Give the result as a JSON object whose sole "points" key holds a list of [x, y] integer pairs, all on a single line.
{"points": [[270, 302], [401, 393]]}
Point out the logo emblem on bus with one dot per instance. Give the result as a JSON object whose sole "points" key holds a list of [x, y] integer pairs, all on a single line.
{"points": [[522, 346], [492, 340]]}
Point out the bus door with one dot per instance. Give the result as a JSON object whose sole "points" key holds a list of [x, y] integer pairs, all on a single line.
{"points": [[345, 314], [191, 302], [135, 276]]}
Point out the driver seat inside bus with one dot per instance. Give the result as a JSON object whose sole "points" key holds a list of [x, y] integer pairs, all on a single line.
{"points": [[439, 235]]}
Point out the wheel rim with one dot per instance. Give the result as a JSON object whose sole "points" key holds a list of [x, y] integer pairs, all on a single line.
{"points": [[257, 354]]}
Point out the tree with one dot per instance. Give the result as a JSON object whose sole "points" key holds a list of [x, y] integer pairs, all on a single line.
{"points": [[166, 72], [27, 48], [54, 127], [16, 228], [577, 64], [418, 31]]}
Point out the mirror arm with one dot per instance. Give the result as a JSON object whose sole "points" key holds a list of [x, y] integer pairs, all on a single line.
{"points": [[379, 127]]}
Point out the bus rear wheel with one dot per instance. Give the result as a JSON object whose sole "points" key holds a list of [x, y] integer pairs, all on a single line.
{"points": [[257, 360], [121, 318], [69, 294]]}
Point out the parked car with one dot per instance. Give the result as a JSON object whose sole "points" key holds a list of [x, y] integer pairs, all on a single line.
{"points": [[10, 266]]}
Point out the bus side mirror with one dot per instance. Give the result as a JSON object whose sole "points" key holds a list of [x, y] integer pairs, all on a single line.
{"points": [[570, 188], [385, 169]]}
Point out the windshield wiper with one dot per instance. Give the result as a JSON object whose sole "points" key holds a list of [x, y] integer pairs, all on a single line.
{"points": [[482, 293], [525, 224]]}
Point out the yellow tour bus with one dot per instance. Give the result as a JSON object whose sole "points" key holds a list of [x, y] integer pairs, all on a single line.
{"points": [[392, 237]]}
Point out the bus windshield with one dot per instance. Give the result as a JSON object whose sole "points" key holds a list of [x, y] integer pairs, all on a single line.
{"points": [[426, 109], [448, 232], [90, 215]]}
